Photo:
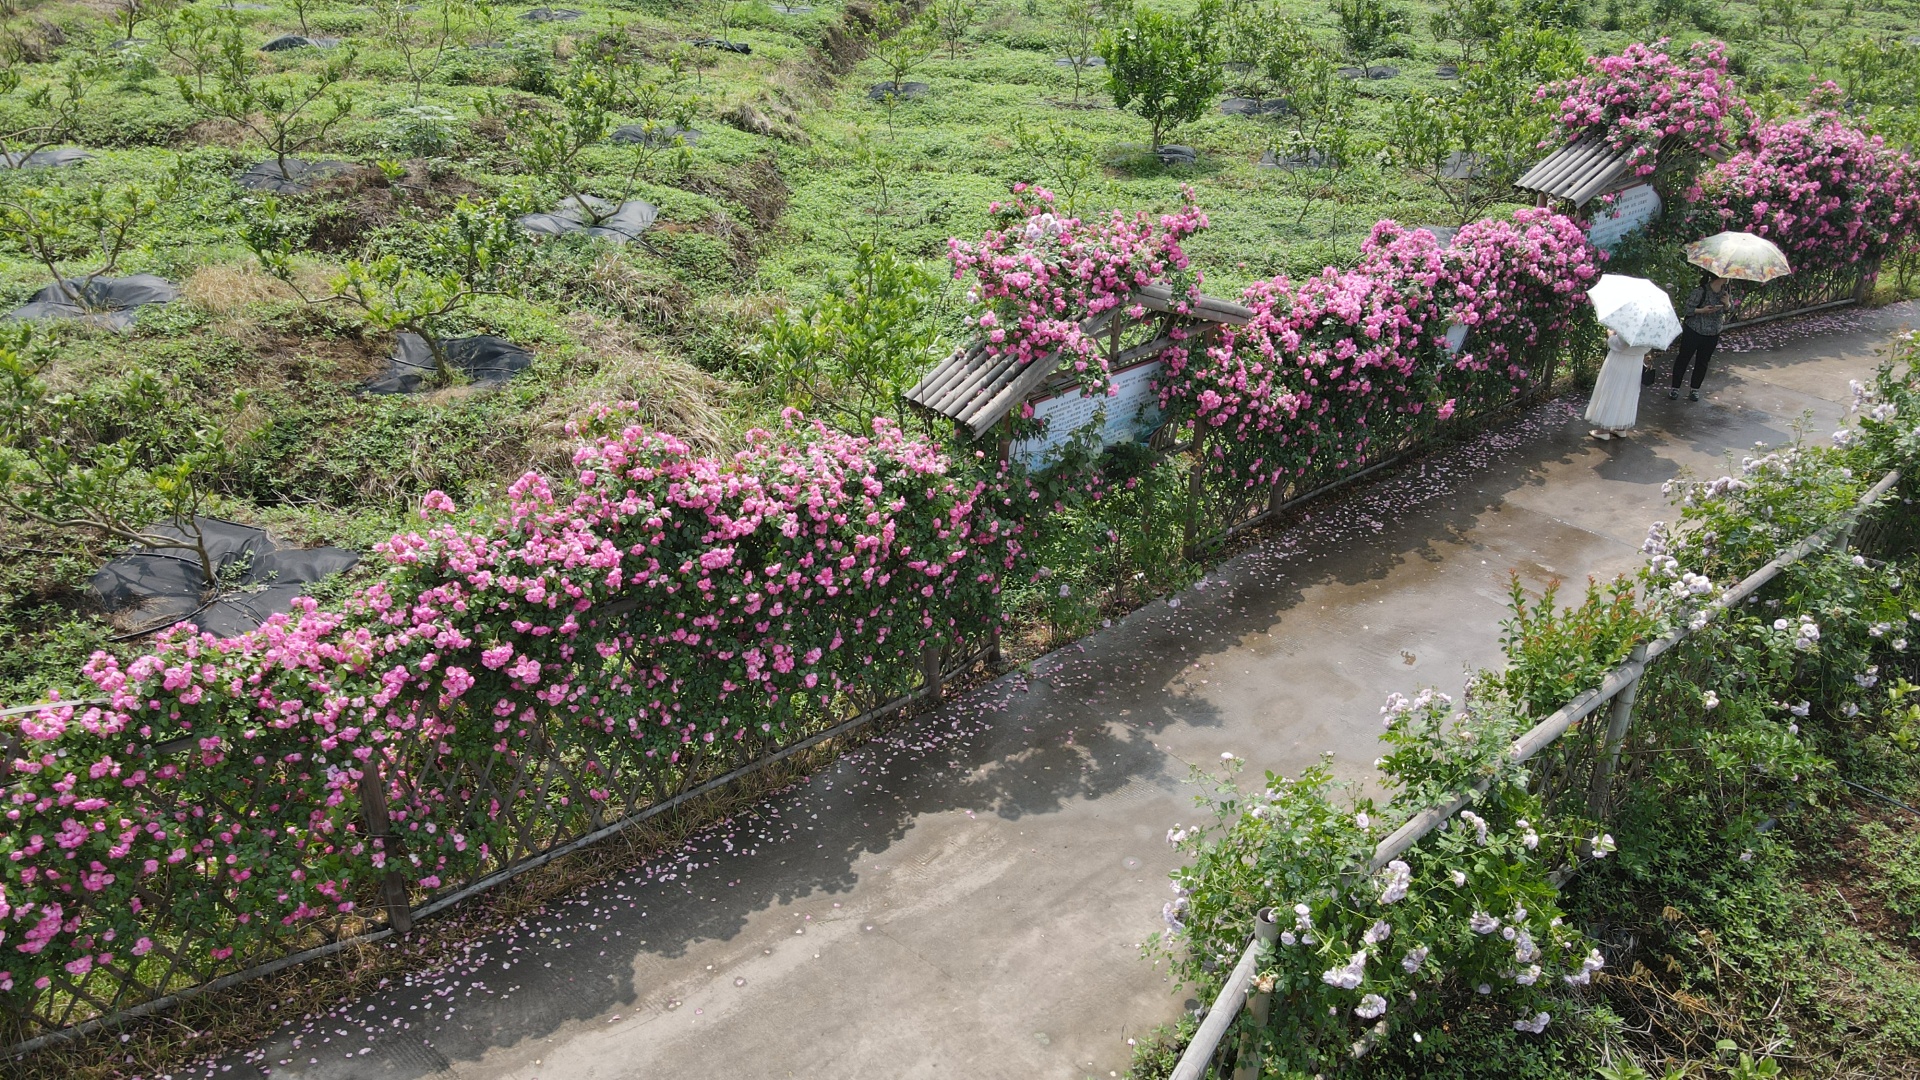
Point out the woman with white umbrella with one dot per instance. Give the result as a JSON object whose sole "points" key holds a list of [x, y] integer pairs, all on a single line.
{"points": [[1640, 316]]}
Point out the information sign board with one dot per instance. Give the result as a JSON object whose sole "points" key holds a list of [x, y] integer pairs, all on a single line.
{"points": [[1131, 413], [1632, 208]]}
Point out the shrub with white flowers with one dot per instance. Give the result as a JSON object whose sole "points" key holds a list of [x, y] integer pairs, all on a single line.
{"points": [[1465, 919]]}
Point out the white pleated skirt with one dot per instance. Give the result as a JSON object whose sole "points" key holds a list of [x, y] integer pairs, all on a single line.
{"points": [[1616, 395]]}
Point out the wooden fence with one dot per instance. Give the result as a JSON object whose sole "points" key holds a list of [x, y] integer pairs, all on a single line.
{"points": [[1805, 292], [1586, 773]]}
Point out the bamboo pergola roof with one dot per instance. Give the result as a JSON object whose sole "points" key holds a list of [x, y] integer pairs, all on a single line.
{"points": [[975, 388], [1583, 170]]}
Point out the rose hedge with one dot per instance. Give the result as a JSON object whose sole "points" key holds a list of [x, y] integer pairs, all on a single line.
{"points": [[1827, 192], [678, 602], [1339, 369]]}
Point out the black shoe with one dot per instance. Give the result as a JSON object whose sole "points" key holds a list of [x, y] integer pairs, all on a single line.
{"points": [[1693, 395], [1673, 395]]}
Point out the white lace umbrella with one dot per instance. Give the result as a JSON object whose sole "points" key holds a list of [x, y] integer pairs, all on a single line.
{"points": [[1636, 309]]}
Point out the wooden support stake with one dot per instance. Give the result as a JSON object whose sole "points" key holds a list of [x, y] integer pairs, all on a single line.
{"points": [[1196, 481], [1619, 719], [930, 656], [1863, 286], [1277, 495], [373, 804]]}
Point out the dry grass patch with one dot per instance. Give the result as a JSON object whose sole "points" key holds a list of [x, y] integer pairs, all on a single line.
{"points": [[670, 395], [222, 289]]}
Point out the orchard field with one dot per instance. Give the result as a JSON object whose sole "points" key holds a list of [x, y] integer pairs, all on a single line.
{"points": [[456, 118]]}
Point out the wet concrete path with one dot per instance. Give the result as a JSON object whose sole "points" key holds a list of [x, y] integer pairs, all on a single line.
{"points": [[967, 897]]}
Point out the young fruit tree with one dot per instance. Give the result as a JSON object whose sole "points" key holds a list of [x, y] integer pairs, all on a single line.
{"points": [[457, 259], [549, 141], [52, 110], [899, 41], [113, 461], [1319, 141], [852, 351], [1469, 24], [953, 19], [1369, 27], [1057, 158], [286, 111], [191, 39], [664, 111], [79, 233], [1471, 144], [1079, 35], [129, 14], [425, 40], [1165, 68]]}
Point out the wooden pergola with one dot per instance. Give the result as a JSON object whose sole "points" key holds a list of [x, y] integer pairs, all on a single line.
{"points": [[979, 390]]}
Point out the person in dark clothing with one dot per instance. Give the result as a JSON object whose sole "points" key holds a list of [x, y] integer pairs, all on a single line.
{"points": [[1701, 316]]}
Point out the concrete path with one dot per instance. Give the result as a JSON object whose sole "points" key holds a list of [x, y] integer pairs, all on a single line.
{"points": [[967, 897]]}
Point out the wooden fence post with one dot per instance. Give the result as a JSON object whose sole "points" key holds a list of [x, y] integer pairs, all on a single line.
{"points": [[373, 804], [1863, 285], [1277, 495], [1607, 757]]}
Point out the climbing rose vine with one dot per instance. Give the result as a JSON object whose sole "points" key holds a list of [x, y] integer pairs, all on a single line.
{"points": [[1339, 369], [1820, 187], [657, 611], [1043, 277], [1644, 96]]}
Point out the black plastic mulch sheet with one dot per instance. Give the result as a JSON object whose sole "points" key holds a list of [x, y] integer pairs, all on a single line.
{"points": [[288, 42], [595, 217], [109, 302], [298, 177], [723, 45], [660, 136], [45, 159], [482, 358], [906, 91], [1310, 159], [1246, 106], [540, 14], [161, 586]]}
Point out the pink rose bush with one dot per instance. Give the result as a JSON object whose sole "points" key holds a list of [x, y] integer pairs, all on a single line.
{"points": [[1338, 370], [1644, 96], [1827, 192], [1040, 275], [657, 612]]}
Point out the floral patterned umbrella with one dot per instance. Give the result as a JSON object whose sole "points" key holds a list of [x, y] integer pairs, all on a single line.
{"points": [[1636, 309], [1739, 255]]}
